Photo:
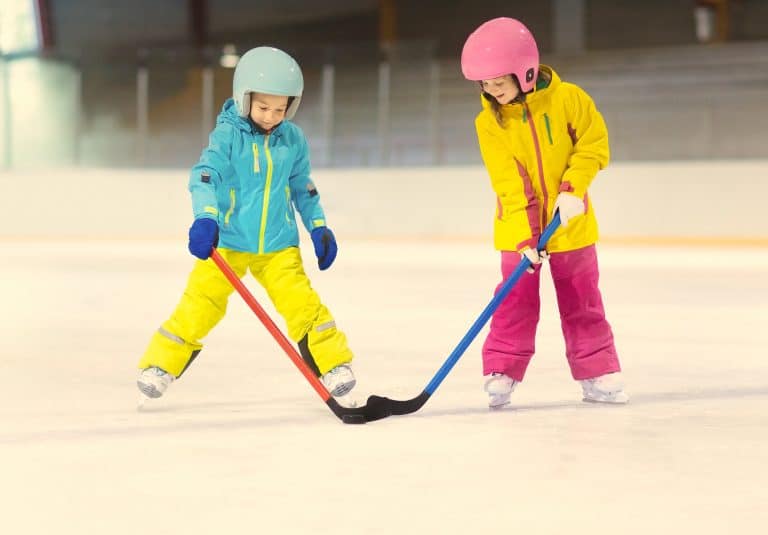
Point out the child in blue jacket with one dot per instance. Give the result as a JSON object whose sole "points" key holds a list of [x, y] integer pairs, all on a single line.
{"points": [[250, 181]]}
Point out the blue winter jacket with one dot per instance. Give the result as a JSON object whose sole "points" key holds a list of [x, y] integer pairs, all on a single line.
{"points": [[250, 183]]}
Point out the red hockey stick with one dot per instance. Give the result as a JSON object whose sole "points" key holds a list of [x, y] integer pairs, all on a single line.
{"points": [[374, 409]]}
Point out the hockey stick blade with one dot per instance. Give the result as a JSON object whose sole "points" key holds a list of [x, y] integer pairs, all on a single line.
{"points": [[377, 408]]}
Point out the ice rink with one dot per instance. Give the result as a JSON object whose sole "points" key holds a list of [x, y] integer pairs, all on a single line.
{"points": [[242, 444]]}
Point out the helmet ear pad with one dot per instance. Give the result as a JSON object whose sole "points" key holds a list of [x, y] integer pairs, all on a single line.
{"points": [[293, 105], [245, 107], [530, 74]]}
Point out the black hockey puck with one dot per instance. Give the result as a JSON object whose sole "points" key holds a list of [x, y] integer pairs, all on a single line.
{"points": [[353, 419]]}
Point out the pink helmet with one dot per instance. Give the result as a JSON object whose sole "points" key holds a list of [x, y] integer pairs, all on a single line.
{"points": [[499, 47]]}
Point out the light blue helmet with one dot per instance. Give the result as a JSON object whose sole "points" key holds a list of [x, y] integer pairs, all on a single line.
{"points": [[267, 70]]}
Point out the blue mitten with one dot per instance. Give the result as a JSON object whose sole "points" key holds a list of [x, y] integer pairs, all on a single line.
{"points": [[203, 236], [325, 247]]}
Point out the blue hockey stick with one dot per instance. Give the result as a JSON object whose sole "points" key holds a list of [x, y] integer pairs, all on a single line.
{"points": [[395, 407]]}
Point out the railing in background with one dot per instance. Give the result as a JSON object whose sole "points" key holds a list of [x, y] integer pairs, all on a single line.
{"points": [[5, 123], [365, 107]]}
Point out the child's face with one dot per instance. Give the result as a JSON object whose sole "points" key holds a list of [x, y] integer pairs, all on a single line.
{"points": [[503, 89], [268, 110]]}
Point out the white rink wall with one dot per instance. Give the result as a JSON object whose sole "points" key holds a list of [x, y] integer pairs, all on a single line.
{"points": [[702, 202]]}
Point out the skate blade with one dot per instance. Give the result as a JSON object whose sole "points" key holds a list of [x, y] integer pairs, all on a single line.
{"points": [[621, 400], [346, 401], [141, 402]]}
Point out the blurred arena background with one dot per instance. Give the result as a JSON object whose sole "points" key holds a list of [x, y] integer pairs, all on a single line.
{"points": [[138, 84], [135, 87]]}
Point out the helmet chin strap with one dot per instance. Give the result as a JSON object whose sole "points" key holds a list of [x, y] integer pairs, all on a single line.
{"points": [[520, 95]]}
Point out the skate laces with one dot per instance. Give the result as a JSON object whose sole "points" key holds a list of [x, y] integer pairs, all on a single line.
{"points": [[154, 381]]}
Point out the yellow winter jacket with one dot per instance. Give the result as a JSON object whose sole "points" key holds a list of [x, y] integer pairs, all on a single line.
{"points": [[555, 141]]}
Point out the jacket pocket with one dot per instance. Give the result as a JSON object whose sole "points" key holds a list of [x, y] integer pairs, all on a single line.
{"points": [[231, 209], [289, 215], [549, 129]]}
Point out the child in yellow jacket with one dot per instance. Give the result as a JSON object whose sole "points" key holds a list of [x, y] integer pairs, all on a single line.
{"points": [[542, 141]]}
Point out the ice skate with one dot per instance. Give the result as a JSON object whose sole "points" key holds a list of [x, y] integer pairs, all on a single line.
{"points": [[152, 383], [499, 387], [339, 381], [608, 388], [348, 400]]}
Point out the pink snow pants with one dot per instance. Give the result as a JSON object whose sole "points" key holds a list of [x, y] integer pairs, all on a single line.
{"points": [[588, 338]]}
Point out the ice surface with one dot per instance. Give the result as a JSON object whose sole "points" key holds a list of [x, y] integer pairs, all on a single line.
{"points": [[242, 444]]}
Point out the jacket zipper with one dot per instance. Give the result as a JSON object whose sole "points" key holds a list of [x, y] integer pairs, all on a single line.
{"points": [[265, 203]]}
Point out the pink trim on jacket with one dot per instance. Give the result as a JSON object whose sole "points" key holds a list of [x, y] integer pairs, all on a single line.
{"points": [[572, 133], [531, 209]]}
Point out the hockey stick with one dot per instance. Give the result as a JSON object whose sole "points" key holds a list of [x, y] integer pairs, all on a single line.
{"points": [[398, 408], [375, 409]]}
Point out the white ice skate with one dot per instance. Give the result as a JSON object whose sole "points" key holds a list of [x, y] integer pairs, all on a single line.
{"points": [[347, 400], [499, 387], [608, 388], [152, 383], [339, 381]]}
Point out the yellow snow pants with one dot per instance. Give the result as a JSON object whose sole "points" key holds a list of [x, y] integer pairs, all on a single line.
{"points": [[204, 304]]}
